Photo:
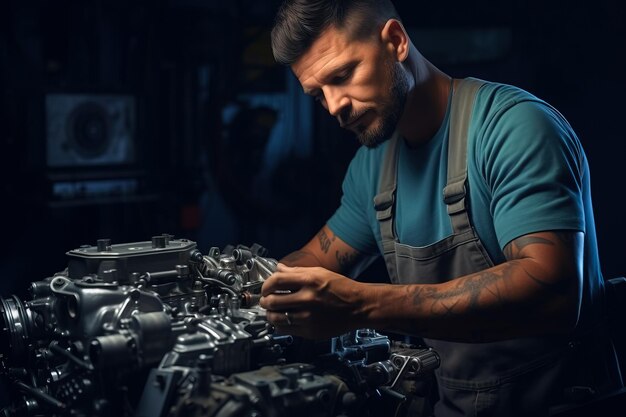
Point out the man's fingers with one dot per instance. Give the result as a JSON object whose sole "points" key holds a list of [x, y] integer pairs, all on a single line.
{"points": [[291, 322], [282, 282], [281, 302], [284, 268]]}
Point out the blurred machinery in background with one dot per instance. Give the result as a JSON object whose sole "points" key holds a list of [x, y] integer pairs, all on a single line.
{"points": [[88, 130]]}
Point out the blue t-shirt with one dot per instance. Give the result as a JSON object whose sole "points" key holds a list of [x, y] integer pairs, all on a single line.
{"points": [[527, 172]]}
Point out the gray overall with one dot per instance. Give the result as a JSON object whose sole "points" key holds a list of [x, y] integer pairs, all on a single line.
{"points": [[512, 377]]}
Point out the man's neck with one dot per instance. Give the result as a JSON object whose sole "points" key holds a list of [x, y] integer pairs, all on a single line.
{"points": [[426, 102]]}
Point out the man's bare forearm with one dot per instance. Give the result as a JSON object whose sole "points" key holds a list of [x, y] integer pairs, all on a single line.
{"points": [[490, 305], [521, 297], [327, 250], [301, 258]]}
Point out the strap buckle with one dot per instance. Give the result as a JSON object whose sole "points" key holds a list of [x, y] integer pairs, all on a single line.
{"points": [[453, 193], [384, 200]]}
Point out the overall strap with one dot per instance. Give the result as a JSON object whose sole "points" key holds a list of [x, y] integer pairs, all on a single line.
{"points": [[454, 192], [384, 200]]}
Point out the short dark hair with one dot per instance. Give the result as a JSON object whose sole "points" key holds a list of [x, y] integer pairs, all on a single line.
{"points": [[300, 22]]}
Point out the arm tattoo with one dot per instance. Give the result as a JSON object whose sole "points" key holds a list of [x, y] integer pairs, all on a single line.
{"points": [[484, 293], [325, 241], [346, 259], [515, 249], [491, 283], [558, 288], [564, 240], [474, 286]]}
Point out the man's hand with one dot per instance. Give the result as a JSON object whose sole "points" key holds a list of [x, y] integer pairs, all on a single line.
{"points": [[319, 303], [537, 291]]}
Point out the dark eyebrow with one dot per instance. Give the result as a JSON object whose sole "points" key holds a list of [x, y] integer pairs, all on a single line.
{"points": [[331, 74], [342, 68]]}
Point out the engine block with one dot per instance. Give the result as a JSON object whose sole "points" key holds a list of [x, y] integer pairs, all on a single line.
{"points": [[157, 328]]}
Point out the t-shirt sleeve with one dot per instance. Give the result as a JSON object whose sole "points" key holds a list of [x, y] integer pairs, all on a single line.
{"points": [[350, 222], [533, 165]]}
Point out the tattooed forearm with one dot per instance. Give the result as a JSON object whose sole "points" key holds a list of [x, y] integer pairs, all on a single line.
{"points": [[346, 259], [472, 289], [325, 241], [536, 290]]}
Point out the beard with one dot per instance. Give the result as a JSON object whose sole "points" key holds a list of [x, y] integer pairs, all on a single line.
{"points": [[391, 110]]}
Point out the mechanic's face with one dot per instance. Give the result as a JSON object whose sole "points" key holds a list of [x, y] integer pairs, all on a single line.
{"points": [[358, 82]]}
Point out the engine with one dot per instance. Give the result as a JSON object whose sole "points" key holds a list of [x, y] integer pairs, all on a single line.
{"points": [[157, 328]]}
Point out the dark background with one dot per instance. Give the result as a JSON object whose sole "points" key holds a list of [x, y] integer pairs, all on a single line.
{"points": [[181, 123]]}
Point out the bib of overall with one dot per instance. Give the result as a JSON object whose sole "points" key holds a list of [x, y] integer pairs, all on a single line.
{"points": [[504, 378]]}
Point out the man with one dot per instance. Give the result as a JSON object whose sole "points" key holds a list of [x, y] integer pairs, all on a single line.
{"points": [[475, 193]]}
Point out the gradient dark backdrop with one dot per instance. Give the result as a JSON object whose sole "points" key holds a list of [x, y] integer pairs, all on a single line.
{"points": [[208, 98]]}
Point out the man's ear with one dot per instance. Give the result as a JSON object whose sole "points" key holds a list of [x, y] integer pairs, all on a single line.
{"points": [[395, 38]]}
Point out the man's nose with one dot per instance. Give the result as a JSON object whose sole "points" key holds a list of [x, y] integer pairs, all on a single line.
{"points": [[336, 101]]}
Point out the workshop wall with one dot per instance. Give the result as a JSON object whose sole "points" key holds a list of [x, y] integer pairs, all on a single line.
{"points": [[124, 120]]}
